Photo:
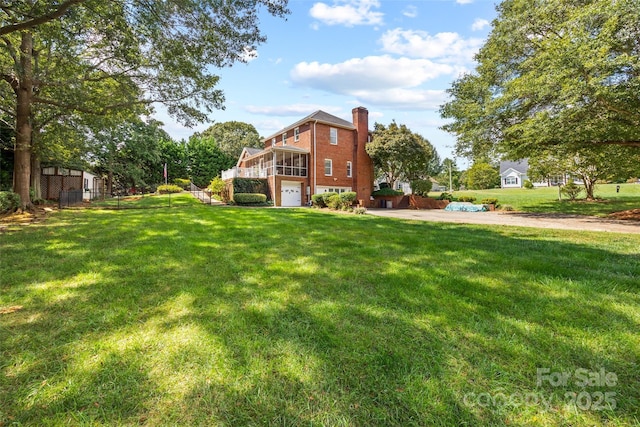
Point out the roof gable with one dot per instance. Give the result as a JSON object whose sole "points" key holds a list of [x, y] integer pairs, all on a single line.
{"points": [[520, 166], [319, 116]]}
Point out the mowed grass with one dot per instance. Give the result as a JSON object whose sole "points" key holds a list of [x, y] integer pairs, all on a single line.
{"points": [[545, 199], [204, 315]]}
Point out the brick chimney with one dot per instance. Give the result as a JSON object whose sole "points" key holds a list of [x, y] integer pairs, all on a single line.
{"points": [[363, 182]]}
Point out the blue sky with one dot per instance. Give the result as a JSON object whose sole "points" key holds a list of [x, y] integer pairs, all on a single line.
{"points": [[394, 57]]}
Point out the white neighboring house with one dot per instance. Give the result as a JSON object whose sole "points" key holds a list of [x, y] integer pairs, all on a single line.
{"points": [[513, 174]]}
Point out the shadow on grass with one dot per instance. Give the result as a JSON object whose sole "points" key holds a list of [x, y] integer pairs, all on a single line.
{"points": [[258, 316]]}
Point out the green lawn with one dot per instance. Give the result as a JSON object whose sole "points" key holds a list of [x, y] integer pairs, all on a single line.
{"points": [[201, 315], [545, 199]]}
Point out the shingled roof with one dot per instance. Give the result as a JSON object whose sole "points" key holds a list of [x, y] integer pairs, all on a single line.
{"points": [[521, 166], [321, 117]]}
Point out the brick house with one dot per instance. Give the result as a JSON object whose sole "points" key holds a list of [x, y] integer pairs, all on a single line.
{"points": [[316, 154]]}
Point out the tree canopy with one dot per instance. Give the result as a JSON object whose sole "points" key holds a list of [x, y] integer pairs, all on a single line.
{"points": [[233, 136], [399, 154], [91, 57], [553, 73]]}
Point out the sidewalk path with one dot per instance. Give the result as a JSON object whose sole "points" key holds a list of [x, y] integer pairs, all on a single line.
{"points": [[520, 219]]}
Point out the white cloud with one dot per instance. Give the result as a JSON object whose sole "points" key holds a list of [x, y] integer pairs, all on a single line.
{"points": [[410, 11], [480, 24], [377, 80], [403, 99], [464, 1], [371, 72], [348, 13], [446, 47]]}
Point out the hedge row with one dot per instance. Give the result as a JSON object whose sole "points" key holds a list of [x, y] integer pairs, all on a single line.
{"points": [[249, 198], [169, 188]]}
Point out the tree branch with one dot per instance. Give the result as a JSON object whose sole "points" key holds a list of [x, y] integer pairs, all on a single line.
{"points": [[7, 29]]}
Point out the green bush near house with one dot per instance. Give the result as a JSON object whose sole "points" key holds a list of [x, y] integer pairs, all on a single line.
{"points": [[348, 197], [528, 184], [387, 192], [334, 202], [9, 201], [446, 196], [217, 185], [183, 183], [318, 201], [169, 188], [249, 185], [249, 198], [326, 196]]}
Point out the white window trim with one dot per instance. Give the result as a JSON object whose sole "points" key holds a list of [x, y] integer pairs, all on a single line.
{"points": [[296, 134], [330, 167], [331, 131], [273, 142], [349, 169], [284, 138]]}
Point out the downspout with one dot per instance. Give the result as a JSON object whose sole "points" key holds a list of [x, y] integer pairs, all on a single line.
{"points": [[315, 169]]}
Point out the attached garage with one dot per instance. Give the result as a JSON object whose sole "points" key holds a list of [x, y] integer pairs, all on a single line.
{"points": [[290, 193]]}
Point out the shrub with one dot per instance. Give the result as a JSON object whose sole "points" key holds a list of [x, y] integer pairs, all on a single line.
{"points": [[466, 199], [571, 190], [9, 201], [318, 201], [250, 185], [169, 188], [334, 201], [217, 185], [185, 184], [387, 192], [446, 196], [508, 208], [348, 197], [421, 187], [360, 211], [249, 198], [326, 196], [489, 201], [528, 184]]}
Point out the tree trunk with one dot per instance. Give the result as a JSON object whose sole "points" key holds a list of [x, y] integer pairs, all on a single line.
{"points": [[24, 95], [589, 186], [35, 176], [110, 183]]}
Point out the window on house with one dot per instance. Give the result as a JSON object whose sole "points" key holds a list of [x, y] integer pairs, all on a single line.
{"points": [[328, 167], [349, 169], [511, 180], [296, 134], [284, 138], [86, 183], [273, 142], [333, 136]]}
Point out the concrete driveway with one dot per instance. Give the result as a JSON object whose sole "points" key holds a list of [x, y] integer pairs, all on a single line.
{"points": [[519, 219]]}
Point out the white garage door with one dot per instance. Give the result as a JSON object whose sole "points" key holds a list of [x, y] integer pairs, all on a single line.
{"points": [[290, 194]]}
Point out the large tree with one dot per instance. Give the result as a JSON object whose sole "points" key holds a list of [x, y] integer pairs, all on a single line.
{"points": [[553, 73], [96, 57], [129, 154], [233, 136], [400, 154], [206, 160]]}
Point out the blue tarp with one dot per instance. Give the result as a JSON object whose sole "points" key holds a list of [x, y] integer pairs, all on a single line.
{"points": [[465, 207]]}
